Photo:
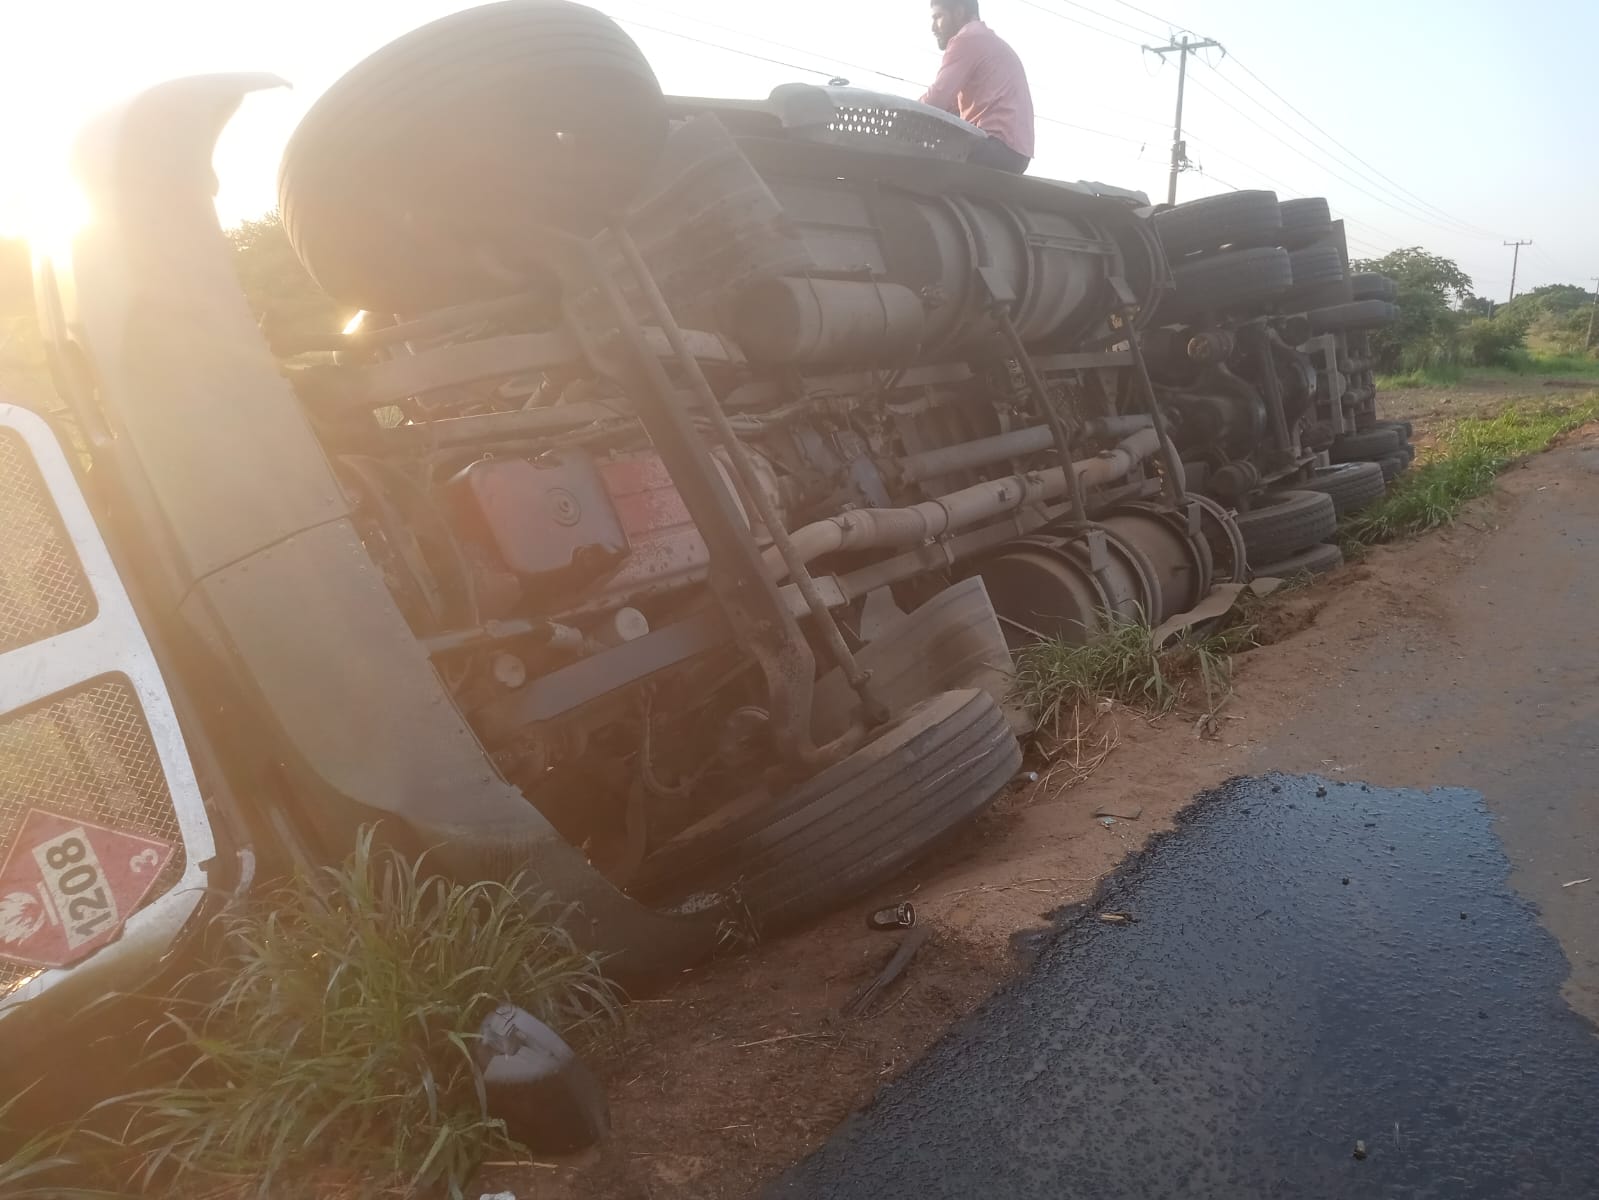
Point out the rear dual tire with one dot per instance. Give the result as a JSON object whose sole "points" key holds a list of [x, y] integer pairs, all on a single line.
{"points": [[1288, 523]]}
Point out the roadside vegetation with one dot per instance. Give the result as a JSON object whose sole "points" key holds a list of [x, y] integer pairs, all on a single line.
{"points": [[1063, 682], [1462, 465], [1445, 329], [332, 1042], [1523, 364]]}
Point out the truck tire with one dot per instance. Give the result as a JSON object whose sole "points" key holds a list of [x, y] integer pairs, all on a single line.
{"points": [[1370, 286], [1288, 524], [1217, 221], [1304, 221], [1404, 429], [1393, 466], [778, 860], [1316, 264], [1315, 296], [456, 136], [1358, 314], [1228, 280], [1368, 445], [1353, 486], [1318, 560]]}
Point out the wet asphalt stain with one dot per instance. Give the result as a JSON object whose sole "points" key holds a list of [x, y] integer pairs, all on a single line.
{"points": [[1325, 991]]}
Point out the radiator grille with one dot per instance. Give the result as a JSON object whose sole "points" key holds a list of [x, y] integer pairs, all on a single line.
{"points": [[43, 591], [86, 754]]}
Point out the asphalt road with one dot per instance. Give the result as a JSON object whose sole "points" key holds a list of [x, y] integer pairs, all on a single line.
{"points": [[1496, 689], [1332, 988]]}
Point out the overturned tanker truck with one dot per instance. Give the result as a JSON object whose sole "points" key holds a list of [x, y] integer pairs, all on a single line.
{"points": [[664, 528]]}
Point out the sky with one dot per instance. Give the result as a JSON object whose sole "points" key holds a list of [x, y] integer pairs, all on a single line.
{"points": [[1455, 125]]}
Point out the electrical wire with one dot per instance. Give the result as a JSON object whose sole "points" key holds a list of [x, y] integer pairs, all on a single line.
{"points": [[793, 66], [1216, 179], [792, 49], [687, 37], [1144, 12], [1141, 143], [1243, 66], [1060, 16], [1103, 16], [1457, 228], [1287, 191], [1321, 164]]}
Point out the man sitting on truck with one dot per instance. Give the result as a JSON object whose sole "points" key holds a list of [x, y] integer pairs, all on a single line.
{"points": [[983, 82]]}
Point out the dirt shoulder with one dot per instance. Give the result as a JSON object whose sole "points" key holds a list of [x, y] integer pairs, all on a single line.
{"points": [[746, 1064], [1431, 409]]}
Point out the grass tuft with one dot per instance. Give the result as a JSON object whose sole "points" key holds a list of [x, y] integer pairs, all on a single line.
{"points": [[1060, 680], [1464, 465], [333, 1038]]}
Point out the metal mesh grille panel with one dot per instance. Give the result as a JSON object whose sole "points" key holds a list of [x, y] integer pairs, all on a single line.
{"points": [[86, 754], [43, 591], [863, 125]]}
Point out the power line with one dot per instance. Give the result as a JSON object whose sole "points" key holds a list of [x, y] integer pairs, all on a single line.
{"points": [[1103, 16], [1214, 178], [793, 49], [1289, 190], [1096, 132], [1454, 226], [1395, 183], [1060, 16], [792, 66], [1159, 20], [1321, 164], [776, 62]]}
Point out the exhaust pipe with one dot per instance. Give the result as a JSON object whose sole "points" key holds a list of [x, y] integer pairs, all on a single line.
{"points": [[889, 528]]}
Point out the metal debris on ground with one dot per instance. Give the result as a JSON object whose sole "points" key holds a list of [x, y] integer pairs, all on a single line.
{"points": [[899, 916], [1117, 918], [908, 949], [1575, 882], [1121, 810]]}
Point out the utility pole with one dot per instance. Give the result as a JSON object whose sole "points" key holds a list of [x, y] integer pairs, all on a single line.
{"points": [[1515, 263], [1179, 150], [1592, 313]]}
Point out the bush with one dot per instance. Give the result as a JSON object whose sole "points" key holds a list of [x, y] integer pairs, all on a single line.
{"points": [[334, 1038], [1501, 342]]}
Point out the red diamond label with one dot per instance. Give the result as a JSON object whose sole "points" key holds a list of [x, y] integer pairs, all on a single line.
{"points": [[68, 886]]}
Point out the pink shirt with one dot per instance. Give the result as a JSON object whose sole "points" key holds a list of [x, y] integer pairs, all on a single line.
{"points": [[984, 83]]}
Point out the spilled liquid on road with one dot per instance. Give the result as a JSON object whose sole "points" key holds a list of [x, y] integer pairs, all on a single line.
{"points": [[1326, 990]]}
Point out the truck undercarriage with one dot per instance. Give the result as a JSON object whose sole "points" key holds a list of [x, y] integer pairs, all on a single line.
{"points": [[664, 528]]}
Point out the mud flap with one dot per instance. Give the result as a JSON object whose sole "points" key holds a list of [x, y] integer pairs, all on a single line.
{"points": [[953, 641]]}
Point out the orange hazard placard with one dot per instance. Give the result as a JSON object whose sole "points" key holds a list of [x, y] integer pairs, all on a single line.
{"points": [[68, 886]]}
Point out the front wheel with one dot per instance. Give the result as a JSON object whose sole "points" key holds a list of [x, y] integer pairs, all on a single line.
{"points": [[772, 861]]}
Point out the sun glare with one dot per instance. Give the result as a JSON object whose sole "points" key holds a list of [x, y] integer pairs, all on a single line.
{"points": [[47, 211]]}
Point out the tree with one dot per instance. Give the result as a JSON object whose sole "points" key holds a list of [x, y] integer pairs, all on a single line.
{"points": [[1417, 270], [275, 281], [1431, 289]]}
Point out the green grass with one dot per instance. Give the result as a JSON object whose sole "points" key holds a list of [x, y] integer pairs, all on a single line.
{"points": [[38, 1165], [331, 1039], [1523, 363], [1468, 458], [1438, 375], [1058, 679]]}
